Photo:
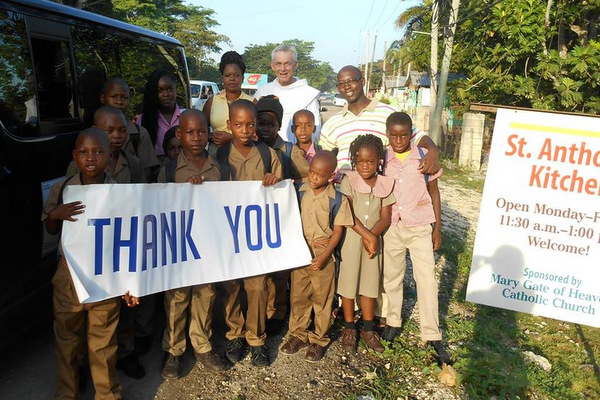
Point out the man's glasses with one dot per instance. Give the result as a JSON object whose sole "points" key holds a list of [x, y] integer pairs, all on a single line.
{"points": [[348, 82]]}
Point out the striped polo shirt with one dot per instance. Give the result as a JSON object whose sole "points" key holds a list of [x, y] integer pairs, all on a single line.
{"points": [[342, 128]]}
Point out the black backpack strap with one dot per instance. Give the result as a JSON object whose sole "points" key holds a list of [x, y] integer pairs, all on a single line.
{"points": [[288, 172], [300, 194], [383, 165], [422, 154], [135, 139], [223, 159], [334, 207], [62, 189], [317, 146], [265, 154], [170, 169]]}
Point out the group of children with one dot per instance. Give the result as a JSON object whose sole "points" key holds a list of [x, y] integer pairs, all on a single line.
{"points": [[346, 225]]}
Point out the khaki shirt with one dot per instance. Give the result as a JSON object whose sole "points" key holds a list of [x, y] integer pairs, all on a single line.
{"points": [[127, 170], [184, 170], [300, 166], [251, 168], [314, 212], [54, 195], [145, 149]]}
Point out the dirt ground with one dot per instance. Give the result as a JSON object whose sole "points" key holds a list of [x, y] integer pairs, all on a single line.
{"points": [[339, 373]]}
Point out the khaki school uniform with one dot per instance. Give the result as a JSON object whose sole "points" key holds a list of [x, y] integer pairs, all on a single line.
{"points": [[278, 301], [127, 170], [78, 325], [359, 274], [314, 290], [193, 301], [248, 168], [145, 149]]}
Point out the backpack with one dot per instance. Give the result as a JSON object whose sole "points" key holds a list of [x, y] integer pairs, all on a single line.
{"points": [[135, 139], [170, 169], [286, 160], [334, 203], [223, 159], [421, 153]]}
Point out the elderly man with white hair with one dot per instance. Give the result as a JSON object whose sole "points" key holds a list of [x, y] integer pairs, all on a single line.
{"points": [[294, 94]]}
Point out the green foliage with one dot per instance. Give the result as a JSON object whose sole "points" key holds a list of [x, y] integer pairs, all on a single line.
{"points": [[319, 74], [511, 56], [191, 25]]}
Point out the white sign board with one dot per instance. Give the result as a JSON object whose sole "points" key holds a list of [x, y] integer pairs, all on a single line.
{"points": [[537, 248], [150, 238]]}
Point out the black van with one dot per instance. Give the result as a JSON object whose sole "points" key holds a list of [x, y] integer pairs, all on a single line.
{"points": [[53, 61]]}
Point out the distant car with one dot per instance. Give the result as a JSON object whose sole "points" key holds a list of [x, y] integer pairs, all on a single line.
{"points": [[339, 101], [201, 91]]}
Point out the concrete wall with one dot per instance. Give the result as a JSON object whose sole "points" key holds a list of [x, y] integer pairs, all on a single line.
{"points": [[471, 142]]}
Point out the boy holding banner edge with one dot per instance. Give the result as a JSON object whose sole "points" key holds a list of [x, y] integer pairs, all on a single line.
{"points": [[193, 165], [74, 321], [244, 160]]}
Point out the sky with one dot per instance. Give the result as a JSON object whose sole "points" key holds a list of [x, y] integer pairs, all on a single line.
{"points": [[338, 28]]}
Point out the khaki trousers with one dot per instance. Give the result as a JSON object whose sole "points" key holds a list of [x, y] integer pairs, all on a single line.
{"points": [[195, 302], [312, 290], [70, 332], [277, 304], [256, 316], [417, 240]]}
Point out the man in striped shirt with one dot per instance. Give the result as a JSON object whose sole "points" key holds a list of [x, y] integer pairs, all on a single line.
{"points": [[361, 116]]}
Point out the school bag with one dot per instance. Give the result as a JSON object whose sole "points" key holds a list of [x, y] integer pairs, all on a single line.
{"points": [[223, 159], [170, 169], [421, 153], [286, 160]]}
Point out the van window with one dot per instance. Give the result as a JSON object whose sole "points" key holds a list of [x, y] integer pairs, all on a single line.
{"points": [[18, 108], [100, 55], [207, 91], [195, 91]]}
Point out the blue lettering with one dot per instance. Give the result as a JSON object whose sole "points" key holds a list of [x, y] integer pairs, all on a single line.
{"points": [[168, 235], [277, 242], [256, 208], [149, 245], [186, 236], [99, 224], [130, 243], [234, 225]]}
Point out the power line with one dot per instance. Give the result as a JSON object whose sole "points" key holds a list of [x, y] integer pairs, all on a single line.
{"points": [[381, 13], [391, 15], [369, 17]]}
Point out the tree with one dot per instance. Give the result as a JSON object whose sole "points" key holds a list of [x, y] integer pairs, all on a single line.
{"points": [[319, 74], [191, 25], [518, 52]]}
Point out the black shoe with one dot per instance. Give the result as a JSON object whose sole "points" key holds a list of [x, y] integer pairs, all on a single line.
{"points": [[275, 326], [131, 366], [260, 356], [443, 356], [390, 333], [143, 344], [171, 368], [235, 350]]}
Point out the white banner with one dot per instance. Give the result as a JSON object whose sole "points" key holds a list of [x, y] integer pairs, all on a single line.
{"points": [[150, 238], [537, 248]]}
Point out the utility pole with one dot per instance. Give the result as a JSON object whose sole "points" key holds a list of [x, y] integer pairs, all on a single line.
{"points": [[383, 74], [372, 59], [435, 16], [436, 123], [366, 76]]}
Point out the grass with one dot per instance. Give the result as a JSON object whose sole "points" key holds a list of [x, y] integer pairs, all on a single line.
{"points": [[487, 344]]}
